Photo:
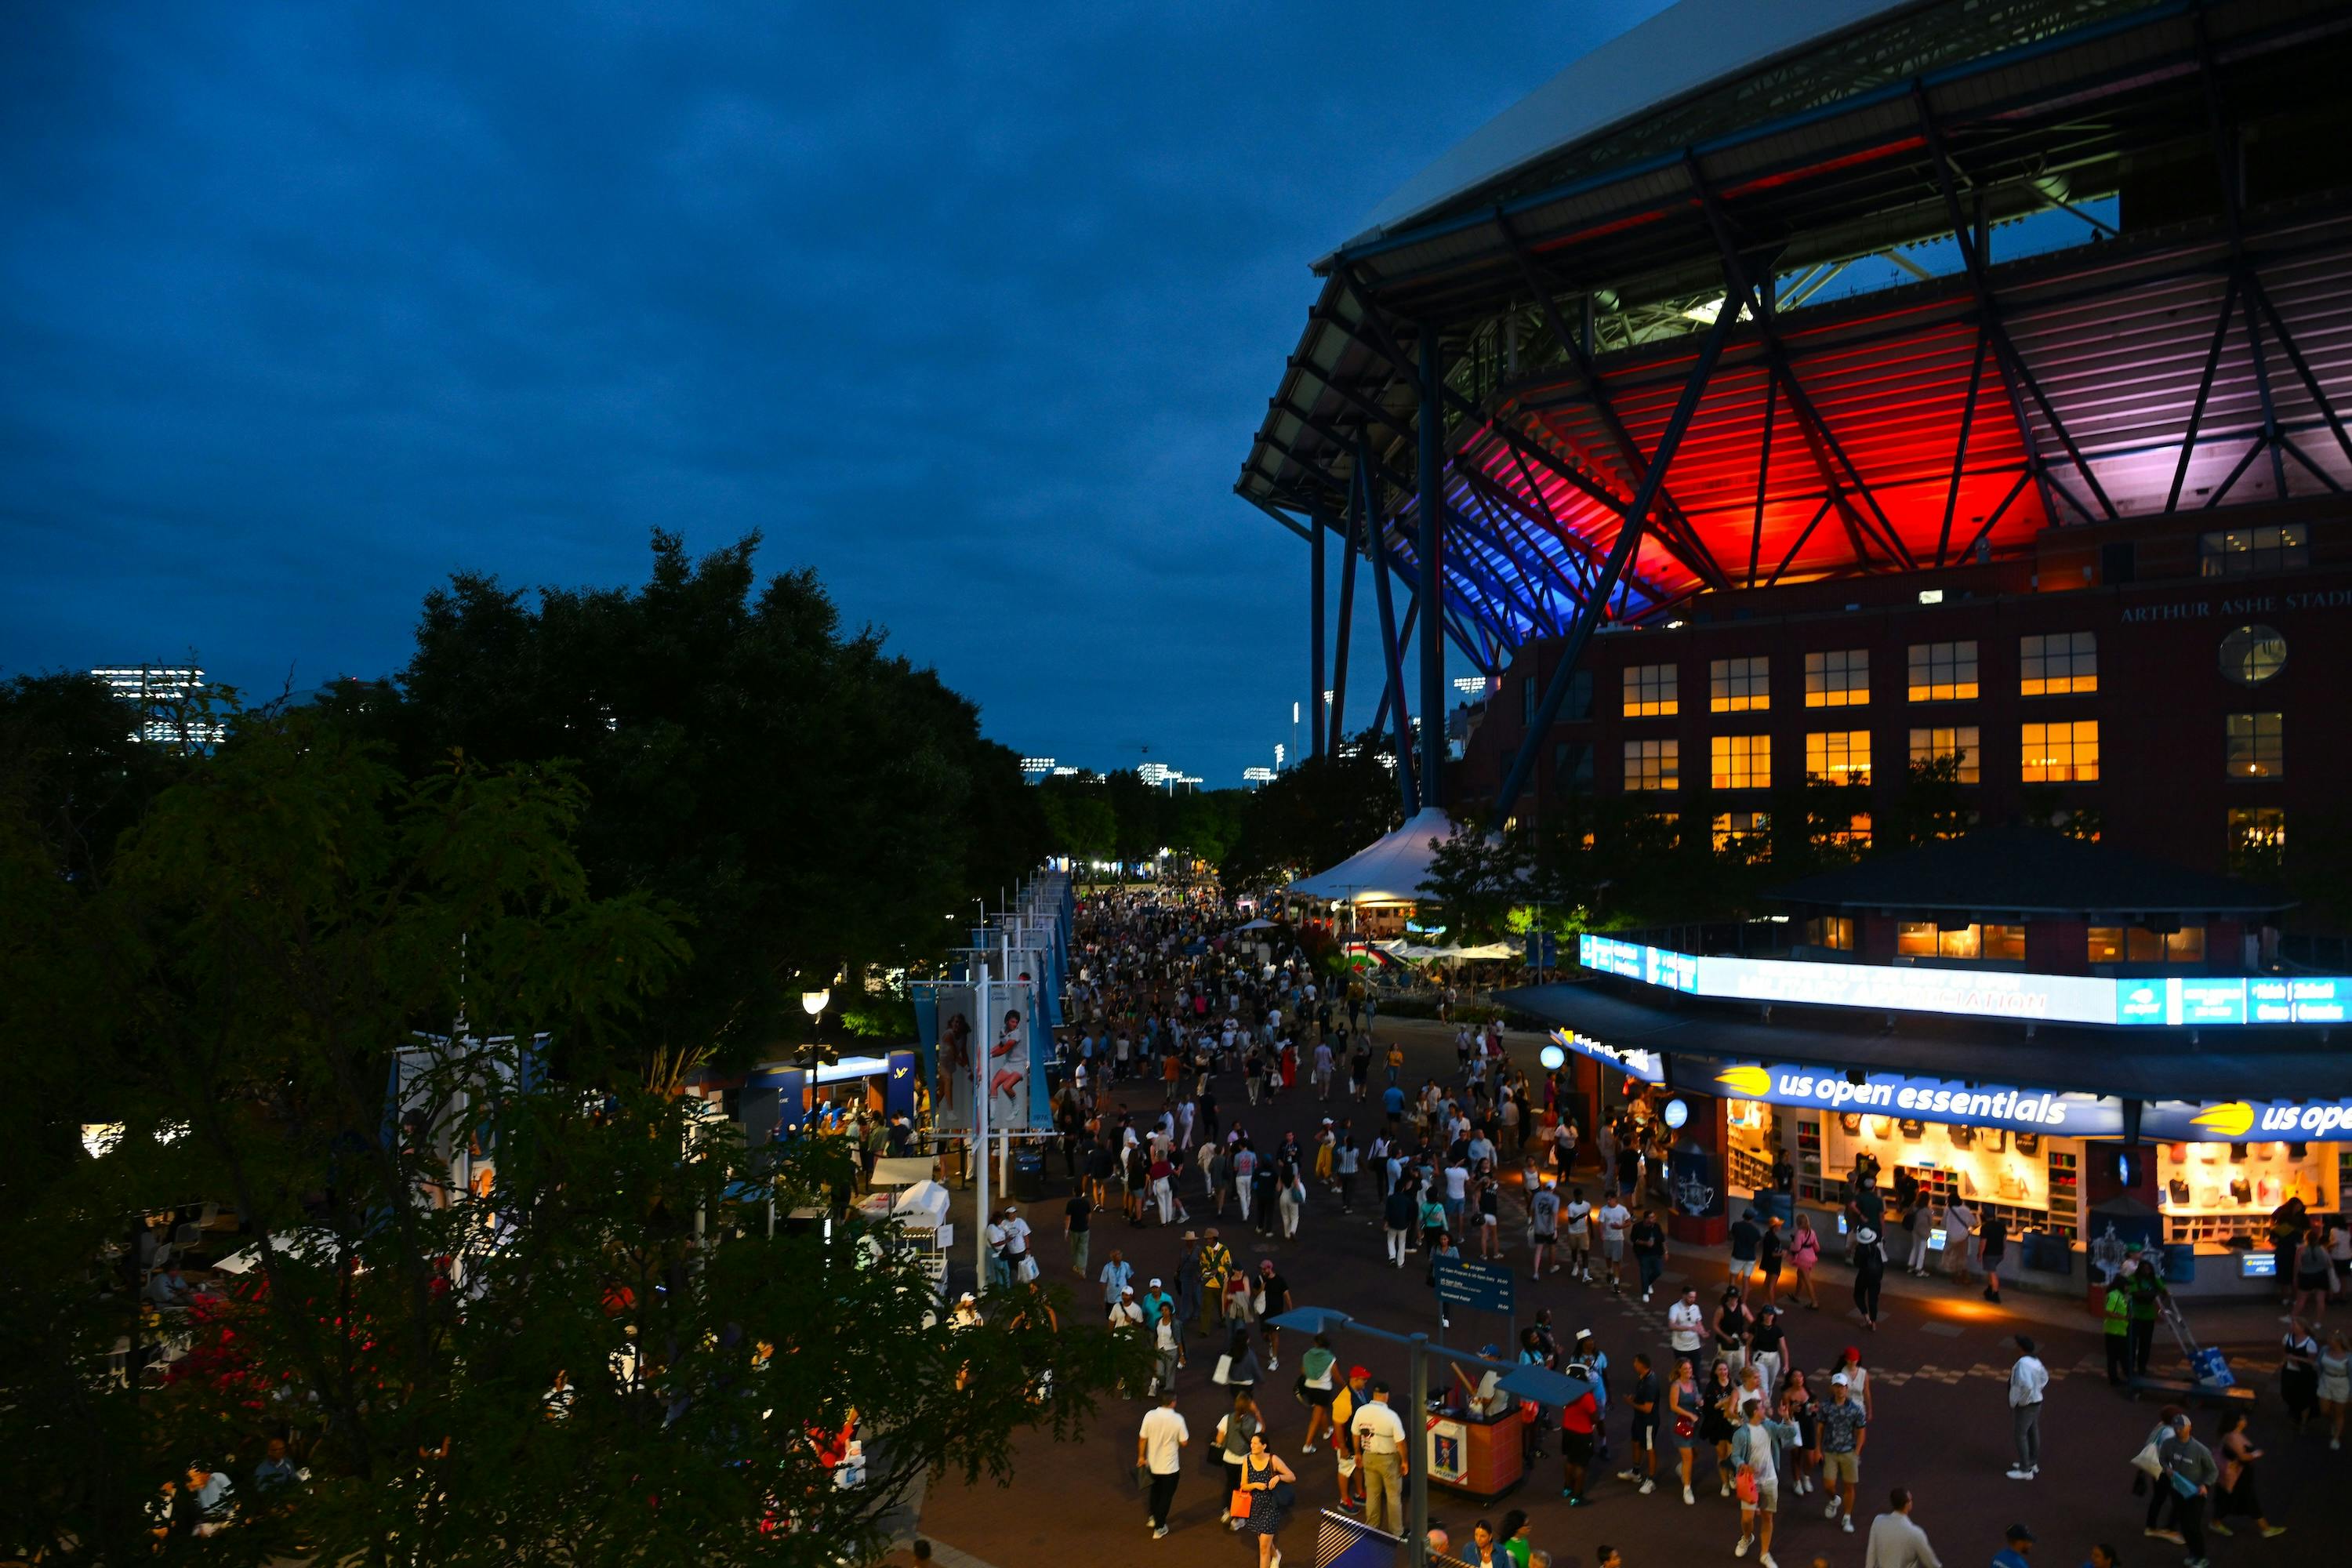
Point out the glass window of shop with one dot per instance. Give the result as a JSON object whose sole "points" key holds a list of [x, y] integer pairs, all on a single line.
{"points": [[1835, 932], [2136, 944], [1738, 685]]}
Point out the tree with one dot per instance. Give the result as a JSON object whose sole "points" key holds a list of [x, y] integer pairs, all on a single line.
{"points": [[1314, 816], [602, 1356], [812, 804]]}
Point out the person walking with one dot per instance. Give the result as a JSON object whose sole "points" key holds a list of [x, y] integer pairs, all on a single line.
{"points": [[1232, 1440], [1543, 1225], [1755, 1450], [1685, 1406], [1844, 1428], [2027, 1379], [2335, 1387], [1398, 1213], [1381, 1460], [1921, 1225], [2299, 1373], [1804, 1254], [1895, 1539], [1159, 1446], [1168, 1345], [2190, 1471], [1648, 1240], [1273, 1487], [2237, 1495], [1077, 1214], [1960, 1227], [1642, 1463], [1869, 1275], [1993, 1235]]}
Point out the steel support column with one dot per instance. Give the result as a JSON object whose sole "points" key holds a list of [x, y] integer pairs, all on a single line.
{"points": [[1432, 520], [1620, 555], [1392, 648], [1338, 722], [1314, 721]]}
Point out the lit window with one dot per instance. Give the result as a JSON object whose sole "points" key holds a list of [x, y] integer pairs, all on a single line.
{"points": [[2251, 654], [1652, 765], [1922, 939], [1837, 756], [2257, 829], [1959, 741], [1738, 685], [2136, 944], [2241, 552], [1741, 762], [2060, 662], [1748, 831], [2254, 746], [1855, 834], [2186, 945], [1650, 691], [1833, 931], [1840, 679], [2059, 754], [1943, 671], [2001, 941]]}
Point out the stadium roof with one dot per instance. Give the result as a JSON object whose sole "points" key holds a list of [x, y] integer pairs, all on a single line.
{"points": [[1689, 45]]}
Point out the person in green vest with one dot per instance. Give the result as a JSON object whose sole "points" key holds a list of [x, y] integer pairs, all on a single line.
{"points": [[2144, 1270], [2117, 1313]]}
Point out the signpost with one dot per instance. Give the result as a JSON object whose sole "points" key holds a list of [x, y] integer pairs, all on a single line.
{"points": [[1481, 1287]]}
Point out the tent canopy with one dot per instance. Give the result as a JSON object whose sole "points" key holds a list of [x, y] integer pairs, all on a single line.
{"points": [[1391, 869]]}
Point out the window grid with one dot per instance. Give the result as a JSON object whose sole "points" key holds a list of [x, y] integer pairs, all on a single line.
{"points": [[1650, 691], [2066, 752], [1943, 671], [2257, 827], [1837, 756], [1653, 765], [1960, 740], [2255, 746], [2057, 663], [1740, 761], [1738, 685], [2241, 552], [1834, 931], [1838, 679], [1746, 830]]}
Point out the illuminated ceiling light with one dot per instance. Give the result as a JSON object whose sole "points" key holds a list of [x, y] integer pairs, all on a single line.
{"points": [[1706, 310]]}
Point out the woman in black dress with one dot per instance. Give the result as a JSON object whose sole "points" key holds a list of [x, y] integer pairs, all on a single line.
{"points": [[1720, 1418], [1869, 1274], [1271, 1487]]}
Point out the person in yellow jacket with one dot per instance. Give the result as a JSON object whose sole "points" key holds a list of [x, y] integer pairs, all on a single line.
{"points": [[2116, 1310]]}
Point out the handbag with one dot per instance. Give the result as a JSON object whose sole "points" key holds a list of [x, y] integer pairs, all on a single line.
{"points": [[2181, 1483], [1685, 1424], [1239, 1506], [2147, 1461], [1746, 1485]]}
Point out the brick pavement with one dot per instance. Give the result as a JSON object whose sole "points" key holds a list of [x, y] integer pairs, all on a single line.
{"points": [[1939, 1364]]}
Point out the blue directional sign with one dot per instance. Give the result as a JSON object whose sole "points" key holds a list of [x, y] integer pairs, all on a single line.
{"points": [[1483, 1287]]}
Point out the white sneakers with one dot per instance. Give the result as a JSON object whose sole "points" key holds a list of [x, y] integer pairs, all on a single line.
{"points": [[1831, 1512], [1649, 1486], [2021, 1473], [1725, 1490], [1686, 1495], [1765, 1560], [1846, 1524], [1741, 1550]]}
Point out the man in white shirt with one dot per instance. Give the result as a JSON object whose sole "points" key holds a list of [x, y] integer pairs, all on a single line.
{"points": [[2027, 1380], [1458, 1190], [1159, 1452], [1380, 1452], [1615, 1219], [1895, 1541], [1579, 1215], [1686, 1322]]}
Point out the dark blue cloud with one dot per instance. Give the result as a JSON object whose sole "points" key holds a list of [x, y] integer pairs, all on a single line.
{"points": [[972, 307]]}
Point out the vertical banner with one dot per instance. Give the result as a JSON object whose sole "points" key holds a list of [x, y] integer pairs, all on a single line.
{"points": [[962, 1043], [898, 1086]]}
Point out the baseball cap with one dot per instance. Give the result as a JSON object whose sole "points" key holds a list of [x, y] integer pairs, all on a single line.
{"points": [[1356, 1371], [1584, 1333], [1155, 1285], [2017, 1533], [1127, 1290], [1838, 1380], [1852, 1353]]}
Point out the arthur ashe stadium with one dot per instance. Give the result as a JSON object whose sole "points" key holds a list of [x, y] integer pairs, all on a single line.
{"points": [[1805, 305]]}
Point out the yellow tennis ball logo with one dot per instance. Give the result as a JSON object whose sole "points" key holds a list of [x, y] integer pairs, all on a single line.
{"points": [[1751, 1083], [2234, 1119]]}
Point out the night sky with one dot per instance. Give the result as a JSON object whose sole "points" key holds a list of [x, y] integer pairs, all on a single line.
{"points": [[973, 308]]}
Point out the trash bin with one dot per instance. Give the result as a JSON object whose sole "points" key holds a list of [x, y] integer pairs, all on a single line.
{"points": [[1028, 1175]]}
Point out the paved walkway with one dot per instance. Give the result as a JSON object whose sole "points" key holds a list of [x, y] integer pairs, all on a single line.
{"points": [[1940, 1363]]}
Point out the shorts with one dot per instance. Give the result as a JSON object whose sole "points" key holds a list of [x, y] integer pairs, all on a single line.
{"points": [[1319, 1397], [1346, 1467], [1612, 1247], [1546, 1237], [1768, 1495], [1645, 1435], [1576, 1448], [1488, 1219], [1846, 1467]]}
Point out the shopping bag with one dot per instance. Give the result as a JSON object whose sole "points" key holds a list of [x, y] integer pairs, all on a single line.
{"points": [[1224, 1372], [2213, 1368], [1746, 1485], [1239, 1507], [2148, 1462]]}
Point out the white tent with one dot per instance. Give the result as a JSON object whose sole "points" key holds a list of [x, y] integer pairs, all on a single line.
{"points": [[1391, 869]]}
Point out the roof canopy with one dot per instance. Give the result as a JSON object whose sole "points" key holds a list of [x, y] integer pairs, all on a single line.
{"points": [[1391, 869], [2028, 870]]}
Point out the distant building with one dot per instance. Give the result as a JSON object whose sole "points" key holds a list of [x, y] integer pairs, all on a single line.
{"points": [[1036, 768], [167, 702]]}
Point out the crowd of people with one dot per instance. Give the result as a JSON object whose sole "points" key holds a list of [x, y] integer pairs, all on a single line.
{"points": [[1492, 1163]]}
